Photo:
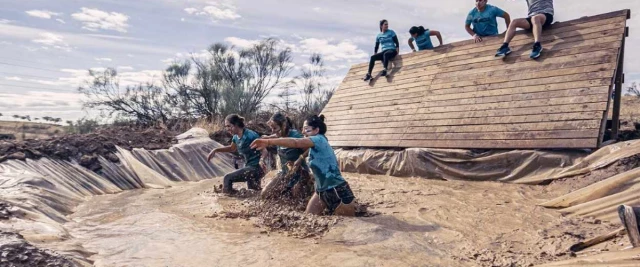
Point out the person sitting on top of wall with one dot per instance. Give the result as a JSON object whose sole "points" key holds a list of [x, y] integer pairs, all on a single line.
{"points": [[483, 19], [540, 17], [422, 37], [388, 39]]}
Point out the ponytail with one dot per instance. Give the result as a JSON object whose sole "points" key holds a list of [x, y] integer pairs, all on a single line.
{"points": [[417, 30]]}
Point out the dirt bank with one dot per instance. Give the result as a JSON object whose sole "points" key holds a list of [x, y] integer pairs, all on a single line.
{"points": [[16, 252], [85, 148]]}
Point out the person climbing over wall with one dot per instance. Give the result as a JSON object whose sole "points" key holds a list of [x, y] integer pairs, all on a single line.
{"points": [[483, 18], [422, 37], [287, 183], [540, 17], [252, 172], [388, 39], [333, 193]]}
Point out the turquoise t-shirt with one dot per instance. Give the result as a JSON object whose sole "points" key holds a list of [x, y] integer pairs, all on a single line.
{"points": [[251, 156], [485, 23], [324, 164], [423, 41], [290, 154], [386, 40]]}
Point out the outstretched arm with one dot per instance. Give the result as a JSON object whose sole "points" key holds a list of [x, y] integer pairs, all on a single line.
{"points": [[284, 142], [413, 48], [224, 149], [375, 51], [437, 34]]}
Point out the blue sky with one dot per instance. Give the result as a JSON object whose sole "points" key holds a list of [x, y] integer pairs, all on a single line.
{"points": [[47, 46]]}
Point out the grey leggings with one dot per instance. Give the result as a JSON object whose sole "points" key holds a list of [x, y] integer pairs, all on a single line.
{"points": [[250, 174]]}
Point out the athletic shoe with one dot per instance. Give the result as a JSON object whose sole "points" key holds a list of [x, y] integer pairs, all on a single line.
{"points": [[503, 50], [383, 73], [367, 77], [537, 50]]}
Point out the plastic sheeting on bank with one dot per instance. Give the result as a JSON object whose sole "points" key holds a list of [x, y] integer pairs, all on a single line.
{"points": [[514, 166]]}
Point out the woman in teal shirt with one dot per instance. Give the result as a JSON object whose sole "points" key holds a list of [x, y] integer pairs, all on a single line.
{"points": [[332, 190], [286, 183], [252, 173], [422, 37], [388, 39]]}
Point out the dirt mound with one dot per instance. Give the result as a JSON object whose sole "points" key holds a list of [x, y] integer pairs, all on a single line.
{"points": [[570, 184], [284, 216], [16, 252], [85, 148]]}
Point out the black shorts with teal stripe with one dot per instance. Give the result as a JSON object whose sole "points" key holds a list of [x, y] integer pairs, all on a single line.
{"points": [[332, 198]]}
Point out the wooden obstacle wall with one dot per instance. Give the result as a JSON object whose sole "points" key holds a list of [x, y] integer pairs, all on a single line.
{"points": [[460, 96]]}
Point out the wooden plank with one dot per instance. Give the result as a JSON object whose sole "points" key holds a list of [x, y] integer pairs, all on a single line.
{"points": [[525, 126], [425, 108], [426, 86], [394, 115], [511, 95], [488, 144], [542, 143], [426, 119], [488, 45], [410, 92], [404, 94], [529, 135]]}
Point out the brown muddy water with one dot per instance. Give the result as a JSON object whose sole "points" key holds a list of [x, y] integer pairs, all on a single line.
{"points": [[420, 223]]}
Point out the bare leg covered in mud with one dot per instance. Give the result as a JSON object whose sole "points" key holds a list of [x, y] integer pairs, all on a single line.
{"points": [[337, 201]]}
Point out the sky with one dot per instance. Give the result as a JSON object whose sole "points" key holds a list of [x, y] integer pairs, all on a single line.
{"points": [[46, 47]]}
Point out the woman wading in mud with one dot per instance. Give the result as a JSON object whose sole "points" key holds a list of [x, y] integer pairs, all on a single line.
{"points": [[294, 178], [332, 191], [252, 173]]}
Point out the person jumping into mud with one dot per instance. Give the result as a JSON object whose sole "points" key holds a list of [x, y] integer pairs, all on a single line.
{"points": [[332, 190], [483, 18], [422, 37], [252, 173], [286, 183], [540, 17], [388, 39]]}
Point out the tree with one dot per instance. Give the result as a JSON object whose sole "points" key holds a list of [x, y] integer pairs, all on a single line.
{"points": [[146, 103], [633, 90], [312, 87]]}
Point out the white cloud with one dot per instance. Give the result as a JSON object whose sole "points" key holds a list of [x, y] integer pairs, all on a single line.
{"points": [[125, 68], [61, 21], [5, 21], [14, 78], [43, 14], [52, 40], [221, 10], [344, 50], [105, 59], [317, 9], [95, 19], [239, 42], [130, 55]]}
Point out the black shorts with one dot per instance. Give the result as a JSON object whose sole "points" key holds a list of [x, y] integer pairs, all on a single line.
{"points": [[332, 198], [546, 24]]}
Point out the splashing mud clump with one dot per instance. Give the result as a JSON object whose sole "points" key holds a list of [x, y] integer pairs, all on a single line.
{"points": [[16, 252]]}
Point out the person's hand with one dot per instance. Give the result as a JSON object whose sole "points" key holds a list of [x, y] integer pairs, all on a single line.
{"points": [[414, 50], [260, 144], [477, 38], [211, 155]]}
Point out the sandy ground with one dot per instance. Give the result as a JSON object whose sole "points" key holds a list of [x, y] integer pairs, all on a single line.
{"points": [[419, 222]]}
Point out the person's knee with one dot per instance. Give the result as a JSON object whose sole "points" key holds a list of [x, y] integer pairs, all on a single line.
{"points": [[519, 23], [538, 19]]}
